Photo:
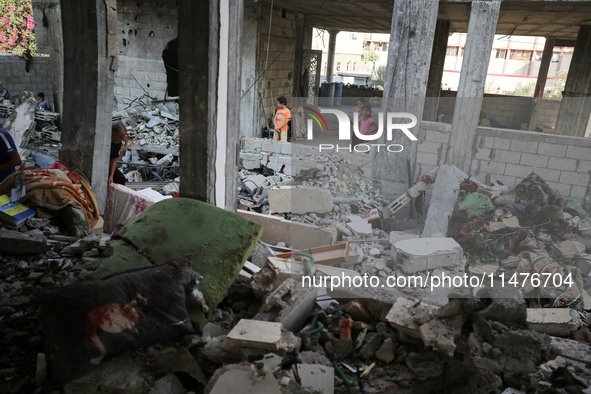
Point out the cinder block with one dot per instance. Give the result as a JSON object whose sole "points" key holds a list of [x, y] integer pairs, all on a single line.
{"points": [[524, 146], [250, 161], [562, 164], [578, 192], [254, 334], [501, 143], [578, 152], [415, 255], [299, 200], [584, 166], [506, 156], [517, 170], [534, 160], [427, 158], [250, 144], [553, 150], [553, 321], [574, 178]]}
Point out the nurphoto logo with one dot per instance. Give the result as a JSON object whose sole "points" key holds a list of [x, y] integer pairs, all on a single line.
{"points": [[392, 120]]}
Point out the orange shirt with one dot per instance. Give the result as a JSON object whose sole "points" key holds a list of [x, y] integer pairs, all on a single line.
{"points": [[281, 116]]}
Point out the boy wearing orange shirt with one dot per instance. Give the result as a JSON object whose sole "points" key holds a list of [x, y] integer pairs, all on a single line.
{"points": [[282, 116]]}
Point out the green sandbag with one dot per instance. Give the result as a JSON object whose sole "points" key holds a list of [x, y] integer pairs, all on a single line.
{"points": [[476, 204], [220, 242]]}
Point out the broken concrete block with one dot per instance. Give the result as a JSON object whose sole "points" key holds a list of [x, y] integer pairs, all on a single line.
{"points": [[386, 351], [250, 144], [250, 161], [359, 225], [299, 200], [421, 254], [317, 377], [396, 236], [241, 379], [559, 322], [570, 249], [407, 315], [357, 311], [254, 334], [15, 242]]}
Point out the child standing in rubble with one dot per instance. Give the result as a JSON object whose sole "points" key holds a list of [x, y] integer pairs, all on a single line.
{"points": [[282, 116], [366, 124]]}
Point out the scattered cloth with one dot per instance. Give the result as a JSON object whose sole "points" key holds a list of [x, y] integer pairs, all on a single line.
{"points": [[54, 188], [563, 289]]}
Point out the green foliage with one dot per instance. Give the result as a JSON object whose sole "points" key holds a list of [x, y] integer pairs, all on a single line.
{"points": [[17, 28], [555, 92], [491, 85], [378, 76], [525, 88]]}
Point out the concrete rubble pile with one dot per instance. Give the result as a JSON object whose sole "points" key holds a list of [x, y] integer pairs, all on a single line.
{"points": [[153, 128], [390, 324]]}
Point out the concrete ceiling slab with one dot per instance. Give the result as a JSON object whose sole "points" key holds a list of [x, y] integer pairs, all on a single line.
{"points": [[560, 18]]}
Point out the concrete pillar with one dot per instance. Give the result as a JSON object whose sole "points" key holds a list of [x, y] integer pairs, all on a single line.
{"points": [[575, 106], [409, 57], [436, 69], [332, 43], [481, 30], [210, 54], [544, 66], [90, 50]]}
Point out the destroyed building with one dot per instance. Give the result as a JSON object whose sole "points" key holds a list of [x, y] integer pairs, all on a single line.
{"points": [[195, 83]]}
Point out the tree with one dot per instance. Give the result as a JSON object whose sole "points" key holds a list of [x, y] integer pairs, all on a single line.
{"points": [[368, 54], [378, 76], [555, 92], [17, 26], [526, 88]]}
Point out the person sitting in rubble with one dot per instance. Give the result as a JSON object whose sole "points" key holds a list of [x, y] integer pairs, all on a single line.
{"points": [[9, 157], [282, 116], [43, 104], [118, 135], [4, 95]]}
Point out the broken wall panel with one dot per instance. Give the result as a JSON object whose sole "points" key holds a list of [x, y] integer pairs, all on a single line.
{"points": [[144, 30]]}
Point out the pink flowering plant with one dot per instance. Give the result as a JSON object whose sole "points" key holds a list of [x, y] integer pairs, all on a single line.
{"points": [[17, 27]]}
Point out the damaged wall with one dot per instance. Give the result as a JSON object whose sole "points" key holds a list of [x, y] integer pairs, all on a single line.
{"points": [[511, 155], [144, 30], [17, 80], [280, 73]]}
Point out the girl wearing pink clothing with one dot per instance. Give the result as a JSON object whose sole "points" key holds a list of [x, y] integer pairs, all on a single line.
{"points": [[366, 124]]}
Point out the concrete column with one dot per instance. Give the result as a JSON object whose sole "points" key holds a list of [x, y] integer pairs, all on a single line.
{"points": [[210, 53], [436, 69], [575, 106], [481, 30], [409, 58], [90, 51], [332, 43], [544, 66]]}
